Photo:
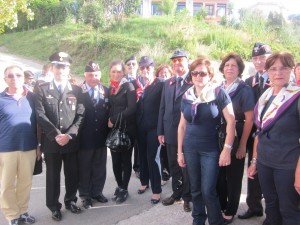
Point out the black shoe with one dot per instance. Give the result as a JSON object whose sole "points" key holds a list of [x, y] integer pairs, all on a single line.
{"points": [[87, 203], [56, 215], [248, 214], [187, 206], [122, 196], [73, 208], [114, 198], [155, 201], [228, 221], [142, 191], [100, 198], [168, 201]]}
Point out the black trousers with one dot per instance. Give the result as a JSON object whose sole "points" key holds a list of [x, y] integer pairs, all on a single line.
{"points": [[136, 161], [149, 159], [92, 172], [180, 178], [54, 163], [254, 193], [121, 162], [229, 185]]}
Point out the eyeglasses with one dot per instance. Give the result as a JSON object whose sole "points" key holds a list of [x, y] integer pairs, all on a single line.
{"points": [[179, 59], [280, 69], [11, 75], [145, 67], [131, 64], [200, 73]]}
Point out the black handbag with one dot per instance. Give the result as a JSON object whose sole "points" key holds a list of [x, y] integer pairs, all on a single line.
{"points": [[38, 167], [117, 139]]}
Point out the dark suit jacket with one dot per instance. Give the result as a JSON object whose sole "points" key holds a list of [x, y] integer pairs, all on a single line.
{"points": [[169, 111], [124, 102], [59, 114], [254, 84], [94, 130], [148, 106]]}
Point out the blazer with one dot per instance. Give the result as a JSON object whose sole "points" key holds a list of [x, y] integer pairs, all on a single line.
{"points": [[59, 114], [169, 111], [124, 102], [95, 127], [148, 105]]}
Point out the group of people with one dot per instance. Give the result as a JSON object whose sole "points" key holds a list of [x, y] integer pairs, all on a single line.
{"points": [[171, 116]]}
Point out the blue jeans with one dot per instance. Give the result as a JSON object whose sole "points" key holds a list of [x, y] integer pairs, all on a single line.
{"points": [[281, 198], [203, 172]]}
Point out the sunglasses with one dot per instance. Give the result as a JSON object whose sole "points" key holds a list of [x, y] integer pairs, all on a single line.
{"points": [[131, 64], [200, 73], [180, 59], [145, 67], [11, 75]]}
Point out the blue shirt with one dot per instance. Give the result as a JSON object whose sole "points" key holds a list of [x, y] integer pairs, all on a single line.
{"points": [[17, 123], [202, 133]]}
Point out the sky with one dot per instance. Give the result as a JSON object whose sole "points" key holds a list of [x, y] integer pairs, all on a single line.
{"points": [[292, 5]]}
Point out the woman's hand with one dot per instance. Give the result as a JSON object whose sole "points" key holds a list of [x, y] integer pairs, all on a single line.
{"points": [[241, 152], [251, 171], [225, 157], [110, 124], [38, 152], [180, 160], [297, 177]]}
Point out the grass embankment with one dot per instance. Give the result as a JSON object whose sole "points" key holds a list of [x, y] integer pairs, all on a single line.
{"points": [[157, 37]]}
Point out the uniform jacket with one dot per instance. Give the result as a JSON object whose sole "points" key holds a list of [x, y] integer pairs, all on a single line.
{"points": [[59, 114], [94, 130], [253, 82], [148, 105], [169, 111]]}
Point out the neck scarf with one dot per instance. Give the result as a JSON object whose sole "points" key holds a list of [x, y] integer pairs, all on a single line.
{"points": [[207, 95], [281, 102], [115, 85], [141, 87], [231, 88]]}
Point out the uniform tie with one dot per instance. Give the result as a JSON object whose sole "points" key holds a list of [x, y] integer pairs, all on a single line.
{"points": [[261, 84], [178, 85], [94, 100]]}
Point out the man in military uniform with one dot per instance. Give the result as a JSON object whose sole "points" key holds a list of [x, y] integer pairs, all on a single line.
{"points": [[259, 83], [93, 152], [60, 114]]}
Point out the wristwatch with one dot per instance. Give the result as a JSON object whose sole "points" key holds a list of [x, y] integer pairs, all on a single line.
{"points": [[253, 161]]}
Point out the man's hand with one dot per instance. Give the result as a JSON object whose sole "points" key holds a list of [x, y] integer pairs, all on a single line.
{"points": [[161, 139], [62, 139]]}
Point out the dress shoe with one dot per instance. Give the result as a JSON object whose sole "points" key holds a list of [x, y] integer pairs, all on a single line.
{"points": [[114, 197], [248, 214], [73, 208], [187, 206], [168, 201], [142, 191], [100, 198], [155, 201], [122, 196], [87, 203], [56, 215], [228, 221]]}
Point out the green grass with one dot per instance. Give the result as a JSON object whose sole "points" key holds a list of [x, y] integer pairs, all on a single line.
{"points": [[156, 36]]}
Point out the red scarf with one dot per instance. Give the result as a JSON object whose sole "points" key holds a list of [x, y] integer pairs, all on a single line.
{"points": [[114, 85], [141, 89]]}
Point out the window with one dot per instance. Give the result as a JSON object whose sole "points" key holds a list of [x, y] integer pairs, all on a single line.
{"points": [[209, 10], [221, 10], [197, 8], [154, 9], [180, 6]]}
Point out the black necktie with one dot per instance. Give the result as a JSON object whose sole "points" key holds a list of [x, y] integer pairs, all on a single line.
{"points": [[261, 84], [59, 88], [178, 85], [93, 96]]}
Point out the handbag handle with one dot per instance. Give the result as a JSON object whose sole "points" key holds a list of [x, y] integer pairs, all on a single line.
{"points": [[119, 119]]}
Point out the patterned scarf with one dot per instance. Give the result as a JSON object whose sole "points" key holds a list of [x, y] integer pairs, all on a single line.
{"points": [[115, 85], [233, 86], [207, 95], [281, 102], [142, 87]]}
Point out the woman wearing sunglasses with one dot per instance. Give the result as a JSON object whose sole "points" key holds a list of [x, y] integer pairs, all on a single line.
{"points": [[198, 140], [230, 177]]}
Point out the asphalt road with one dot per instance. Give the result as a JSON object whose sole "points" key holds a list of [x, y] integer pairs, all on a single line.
{"points": [[136, 210]]}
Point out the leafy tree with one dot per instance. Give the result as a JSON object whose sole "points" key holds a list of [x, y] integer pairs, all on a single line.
{"points": [[168, 7], [9, 12], [276, 20]]}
